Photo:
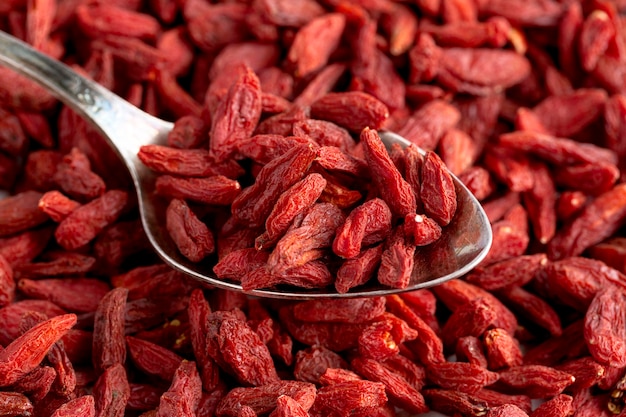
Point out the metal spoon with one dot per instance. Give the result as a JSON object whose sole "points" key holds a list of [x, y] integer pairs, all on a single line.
{"points": [[465, 242]]}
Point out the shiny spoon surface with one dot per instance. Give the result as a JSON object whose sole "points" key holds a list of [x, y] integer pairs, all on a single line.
{"points": [[465, 241]]}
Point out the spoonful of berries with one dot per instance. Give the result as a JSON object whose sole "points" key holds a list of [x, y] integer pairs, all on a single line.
{"points": [[282, 216]]}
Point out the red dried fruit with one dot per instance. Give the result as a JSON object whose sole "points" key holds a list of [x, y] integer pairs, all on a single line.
{"points": [[540, 203], [20, 212], [186, 162], [247, 357], [80, 406], [192, 237], [356, 396], [558, 151], [481, 71], [461, 376], [451, 401], [456, 293], [603, 329], [367, 224], [533, 308], [437, 192], [111, 392], [561, 405], [84, 223], [470, 349], [397, 260], [584, 231], [314, 43], [352, 110], [262, 399], [152, 359], [57, 205], [586, 370], [214, 190], [536, 381], [26, 352], [291, 203], [183, 396], [340, 311], [308, 241], [7, 283], [502, 350], [428, 346], [400, 392], [14, 403], [472, 318], [515, 271], [256, 202], [236, 116], [198, 312], [109, 345], [312, 362], [75, 177], [73, 294], [506, 410]]}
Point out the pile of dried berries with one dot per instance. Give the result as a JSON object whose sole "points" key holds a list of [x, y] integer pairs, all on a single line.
{"points": [[525, 100]]}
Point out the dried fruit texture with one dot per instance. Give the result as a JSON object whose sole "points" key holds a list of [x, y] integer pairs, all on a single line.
{"points": [[183, 396], [603, 329], [152, 359], [523, 100], [340, 311], [366, 225], [312, 363], [359, 270], [352, 110], [26, 352], [506, 410], [314, 43], [426, 127], [437, 192], [186, 162], [14, 403], [536, 381], [75, 177], [394, 189], [80, 406], [238, 350], [214, 190], [256, 202], [397, 260], [583, 231], [86, 222], [461, 376], [263, 399], [236, 116], [192, 237], [357, 396], [20, 212], [59, 263], [575, 281], [502, 350], [109, 345], [7, 283], [81, 295], [111, 392], [561, 405], [472, 318], [297, 199], [308, 241], [481, 71]]}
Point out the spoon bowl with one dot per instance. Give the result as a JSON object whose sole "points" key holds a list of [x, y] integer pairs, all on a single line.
{"points": [[464, 243]]}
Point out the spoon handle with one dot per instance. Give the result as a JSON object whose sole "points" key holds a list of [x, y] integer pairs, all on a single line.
{"points": [[125, 126]]}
